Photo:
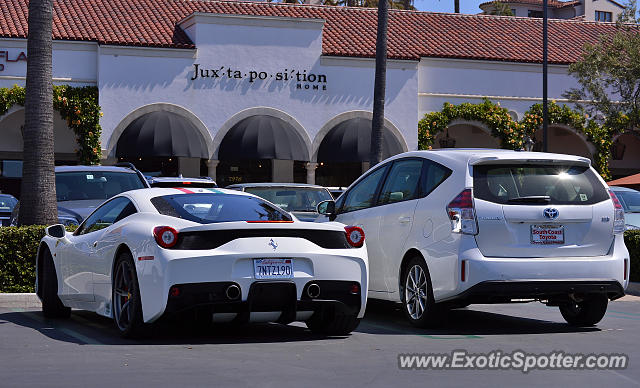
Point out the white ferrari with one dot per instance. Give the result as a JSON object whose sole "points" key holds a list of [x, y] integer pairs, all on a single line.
{"points": [[232, 256]]}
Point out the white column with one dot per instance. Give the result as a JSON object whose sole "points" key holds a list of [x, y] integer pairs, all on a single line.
{"points": [[311, 172], [106, 160], [212, 164]]}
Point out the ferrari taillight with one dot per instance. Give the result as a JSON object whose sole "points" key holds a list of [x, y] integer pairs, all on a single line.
{"points": [[355, 236], [165, 236]]}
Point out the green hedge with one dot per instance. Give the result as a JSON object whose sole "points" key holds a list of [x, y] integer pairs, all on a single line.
{"points": [[19, 245], [18, 248], [632, 241]]}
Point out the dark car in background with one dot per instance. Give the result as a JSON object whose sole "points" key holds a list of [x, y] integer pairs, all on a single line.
{"points": [[170, 182], [7, 203], [80, 189], [297, 198]]}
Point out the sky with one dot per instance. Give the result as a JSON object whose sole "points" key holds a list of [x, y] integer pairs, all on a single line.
{"points": [[466, 6]]}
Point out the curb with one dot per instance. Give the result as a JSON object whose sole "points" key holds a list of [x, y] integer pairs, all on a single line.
{"points": [[19, 300], [633, 289]]}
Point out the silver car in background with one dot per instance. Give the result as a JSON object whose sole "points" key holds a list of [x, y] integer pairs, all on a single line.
{"points": [[297, 198], [630, 201]]}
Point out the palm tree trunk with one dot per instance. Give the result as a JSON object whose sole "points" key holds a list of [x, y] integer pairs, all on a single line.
{"points": [[377, 124], [456, 6], [38, 191]]}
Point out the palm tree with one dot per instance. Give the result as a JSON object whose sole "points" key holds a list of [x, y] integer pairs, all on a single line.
{"points": [[38, 190], [377, 123], [501, 9]]}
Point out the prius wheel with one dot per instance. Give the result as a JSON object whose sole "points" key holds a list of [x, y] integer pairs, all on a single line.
{"points": [[127, 307], [52, 306], [417, 294], [587, 312], [328, 322]]}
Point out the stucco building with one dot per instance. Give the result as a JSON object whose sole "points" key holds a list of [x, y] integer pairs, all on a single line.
{"points": [[592, 10], [260, 91]]}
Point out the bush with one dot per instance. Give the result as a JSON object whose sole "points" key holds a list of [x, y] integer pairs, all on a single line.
{"points": [[18, 248], [632, 241]]}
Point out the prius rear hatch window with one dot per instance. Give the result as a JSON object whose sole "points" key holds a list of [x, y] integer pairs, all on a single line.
{"points": [[527, 184]]}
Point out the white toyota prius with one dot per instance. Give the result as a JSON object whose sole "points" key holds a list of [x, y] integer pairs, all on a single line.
{"points": [[453, 227], [234, 256]]}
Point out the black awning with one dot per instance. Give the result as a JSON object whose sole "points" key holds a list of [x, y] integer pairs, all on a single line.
{"points": [[262, 137], [161, 134], [350, 141]]}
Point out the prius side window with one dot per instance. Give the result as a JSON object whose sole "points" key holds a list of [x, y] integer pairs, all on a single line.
{"points": [[433, 174], [402, 182]]}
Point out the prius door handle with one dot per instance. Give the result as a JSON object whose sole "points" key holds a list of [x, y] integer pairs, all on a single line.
{"points": [[404, 220]]}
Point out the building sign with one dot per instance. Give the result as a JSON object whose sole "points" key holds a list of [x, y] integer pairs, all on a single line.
{"points": [[302, 79], [5, 58]]}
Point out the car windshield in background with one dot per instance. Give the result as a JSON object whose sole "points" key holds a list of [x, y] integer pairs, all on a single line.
{"points": [[630, 200], [527, 184], [292, 199], [78, 186], [212, 208], [7, 203], [202, 185]]}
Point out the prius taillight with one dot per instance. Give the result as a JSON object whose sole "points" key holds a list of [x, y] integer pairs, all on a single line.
{"points": [[618, 214], [462, 213]]}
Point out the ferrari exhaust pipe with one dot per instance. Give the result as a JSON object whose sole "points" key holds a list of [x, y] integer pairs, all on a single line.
{"points": [[233, 292], [313, 290]]}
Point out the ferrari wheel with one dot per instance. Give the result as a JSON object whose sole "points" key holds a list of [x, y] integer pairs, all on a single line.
{"points": [[52, 306], [127, 307]]}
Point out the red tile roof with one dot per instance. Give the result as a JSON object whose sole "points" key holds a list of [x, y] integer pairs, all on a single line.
{"points": [[347, 31]]}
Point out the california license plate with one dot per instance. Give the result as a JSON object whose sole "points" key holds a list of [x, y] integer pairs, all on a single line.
{"points": [[273, 268], [547, 234]]}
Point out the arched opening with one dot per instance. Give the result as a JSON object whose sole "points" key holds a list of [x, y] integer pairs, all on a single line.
{"points": [[625, 155], [262, 148], [11, 147], [163, 143], [464, 134], [564, 140], [343, 154]]}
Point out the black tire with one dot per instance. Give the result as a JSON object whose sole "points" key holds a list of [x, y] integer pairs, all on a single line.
{"points": [[52, 306], [126, 303], [419, 307], [328, 322], [586, 313]]}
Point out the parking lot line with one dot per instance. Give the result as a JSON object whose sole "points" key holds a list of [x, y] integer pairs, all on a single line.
{"points": [[623, 312], [71, 333]]}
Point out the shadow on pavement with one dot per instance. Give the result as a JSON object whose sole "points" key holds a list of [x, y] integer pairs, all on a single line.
{"points": [[387, 318], [87, 328], [382, 318]]}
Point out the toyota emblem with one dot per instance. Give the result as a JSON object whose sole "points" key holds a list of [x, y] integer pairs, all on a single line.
{"points": [[550, 213]]}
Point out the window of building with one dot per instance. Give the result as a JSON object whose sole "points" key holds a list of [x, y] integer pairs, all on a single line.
{"points": [[535, 14], [602, 16]]}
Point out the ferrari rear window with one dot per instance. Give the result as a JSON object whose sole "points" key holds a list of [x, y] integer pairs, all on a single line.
{"points": [[208, 208]]}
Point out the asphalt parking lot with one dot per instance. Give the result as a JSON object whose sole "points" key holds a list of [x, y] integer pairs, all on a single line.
{"points": [[87, 351]]}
